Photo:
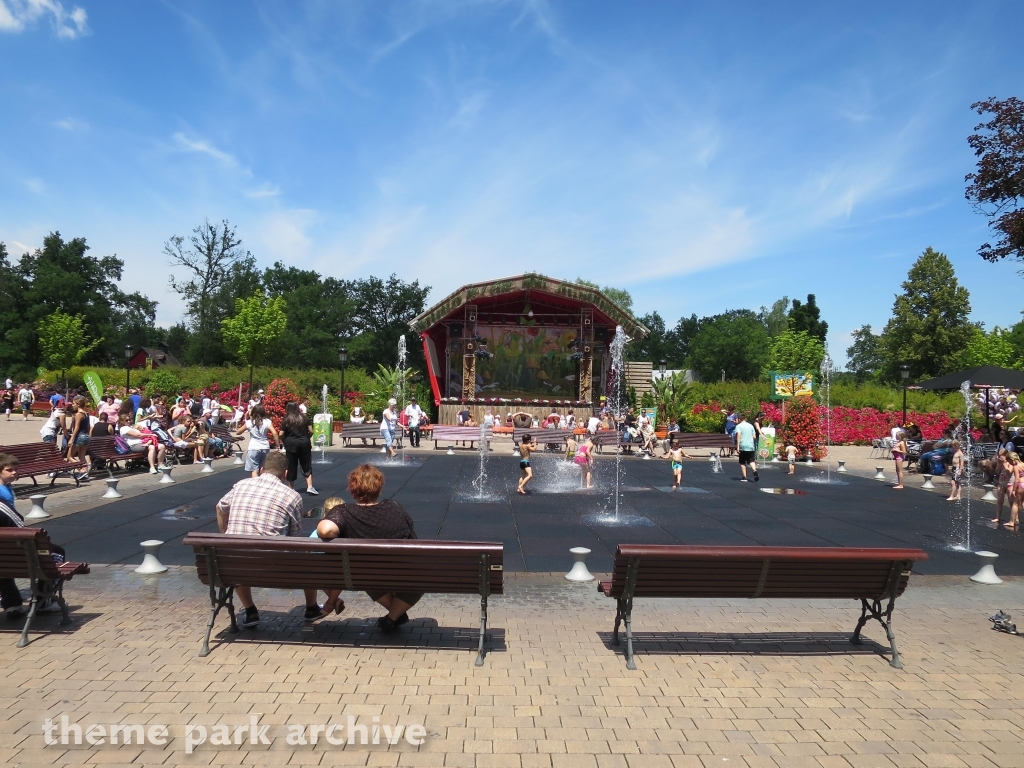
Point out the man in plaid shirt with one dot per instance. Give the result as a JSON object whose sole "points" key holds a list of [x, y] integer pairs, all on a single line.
{"points": [[264, 506]]}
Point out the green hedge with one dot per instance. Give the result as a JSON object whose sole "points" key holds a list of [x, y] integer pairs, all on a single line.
{"points": [[744, 394]]}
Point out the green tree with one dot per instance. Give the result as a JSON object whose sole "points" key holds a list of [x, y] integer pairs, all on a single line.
{"points": [[619, 296], [929, 328], [997, 189], [672, 394], [807, 317], [383, 310], [206, 266], [735, 342], [993, 348], [63, 342], [796, 351], [1016, 338], [257, 326], [864, 356], [776, 319]]}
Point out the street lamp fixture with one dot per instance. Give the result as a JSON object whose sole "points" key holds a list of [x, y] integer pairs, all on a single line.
{"points": [[904, 375], [662, 365], [127, 369], [343, 359]]}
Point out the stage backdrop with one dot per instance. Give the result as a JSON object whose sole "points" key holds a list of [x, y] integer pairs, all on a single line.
{"points": [[527, 360]]}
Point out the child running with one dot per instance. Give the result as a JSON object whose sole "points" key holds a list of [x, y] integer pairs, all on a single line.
{"points": [[791, 458], [677, 455], [957, 478], [526, 447]]}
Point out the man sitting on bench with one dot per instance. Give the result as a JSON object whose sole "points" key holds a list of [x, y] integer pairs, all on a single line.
{"points": [[266, 505]]}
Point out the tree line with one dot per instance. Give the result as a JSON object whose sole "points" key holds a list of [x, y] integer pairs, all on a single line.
{"points": [[217, 279]]}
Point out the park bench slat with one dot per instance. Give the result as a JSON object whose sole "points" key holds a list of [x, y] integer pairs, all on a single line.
{"points": [[40, 459], [452, 435], [440, 567], [25, 554], [369, 432], [872, 575]]}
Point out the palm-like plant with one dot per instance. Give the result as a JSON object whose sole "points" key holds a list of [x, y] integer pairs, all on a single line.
{"points": [[672, 395]]}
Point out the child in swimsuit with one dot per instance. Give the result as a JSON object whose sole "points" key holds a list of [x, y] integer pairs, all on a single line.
{"points": [[1003, 486], [525, 449], [791, 458], [956, 479], [899, 453], [677, 455], [585, 460], [1016, 489]]}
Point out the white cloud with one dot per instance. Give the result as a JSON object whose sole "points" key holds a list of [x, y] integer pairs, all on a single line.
{"points": [[203, 147], [263, 191], [283, 235], [68, 123], [35, 185], [18, 15]]}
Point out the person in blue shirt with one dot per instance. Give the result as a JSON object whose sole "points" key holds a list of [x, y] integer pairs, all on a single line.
{"points": [[731, 420], [56, 400], [746, 443]]}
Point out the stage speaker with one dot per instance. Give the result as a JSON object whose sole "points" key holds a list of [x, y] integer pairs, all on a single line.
{"points": [[455, 329], [600, 334], [586, 349]]}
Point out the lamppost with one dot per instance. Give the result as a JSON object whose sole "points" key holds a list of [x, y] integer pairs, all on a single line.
{"points": [[343, 359], [127, 369], [662, 365], [904, 375]]}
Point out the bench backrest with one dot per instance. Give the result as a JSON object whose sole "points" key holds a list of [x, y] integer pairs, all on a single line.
{"points": [[808, 572], [448, 432], [700, 439], [25, 554], [103, 447], [360, 430], [607, 437], [542, 436], [280, 562]]}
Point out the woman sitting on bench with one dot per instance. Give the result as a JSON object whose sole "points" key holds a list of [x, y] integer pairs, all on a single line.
{"points": [[369, 519]]}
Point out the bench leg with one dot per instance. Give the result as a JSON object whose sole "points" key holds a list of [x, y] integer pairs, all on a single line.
{"points": [[630, 664], [28, 621], [58, 595], [218, 601], [874, 611], [618, 620], [860, 624], [483, 630]]}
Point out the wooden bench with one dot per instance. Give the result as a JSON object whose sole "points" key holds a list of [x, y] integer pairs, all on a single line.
{"points": [[610, 437], [42, 459], [103, 449], [279, 562], [466, 436], [717, 440], [25, 554], [371, 432], [869, 575], [543, 437]]}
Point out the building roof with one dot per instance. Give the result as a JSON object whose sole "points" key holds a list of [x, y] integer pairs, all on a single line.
{"points": [[533, 283], [159, 356]]}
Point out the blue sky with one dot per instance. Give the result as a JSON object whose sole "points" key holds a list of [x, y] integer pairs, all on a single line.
{"points": [[705, 156]]}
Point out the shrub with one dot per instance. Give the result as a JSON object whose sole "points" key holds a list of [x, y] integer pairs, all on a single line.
{"points": [[803, 427], [164, 381]]}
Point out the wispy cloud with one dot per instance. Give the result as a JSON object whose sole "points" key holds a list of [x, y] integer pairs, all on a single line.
{"points": [[69, 123], [263, 191], [185, 144], [35, 185], [17, 15]]}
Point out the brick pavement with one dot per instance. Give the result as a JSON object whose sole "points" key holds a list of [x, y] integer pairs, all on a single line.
{"points": [[720, 683]]}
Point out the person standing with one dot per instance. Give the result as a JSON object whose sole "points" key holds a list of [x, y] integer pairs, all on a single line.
{"points": [[731, 420], [526, 447], [899, 454], [584, 459], [956, 479], [25, 399], [745, 437], [295, 435], [414, 416], [7, 402], [78, 440], [389, 426], [261, 431], [265, 505]]}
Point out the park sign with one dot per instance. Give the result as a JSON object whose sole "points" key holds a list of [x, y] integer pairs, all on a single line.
{"points": [[787, 384], [94, 384]]}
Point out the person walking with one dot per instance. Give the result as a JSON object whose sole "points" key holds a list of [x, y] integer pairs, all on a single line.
{"points": [[78, 440], [25, 399], [389, 426], [261, 432], [295, 436], [677, 454], [526, 447], [414, 420], [745, 445]]}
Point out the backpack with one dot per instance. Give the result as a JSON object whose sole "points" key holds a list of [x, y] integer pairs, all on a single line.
{"points": [[121, 445]]}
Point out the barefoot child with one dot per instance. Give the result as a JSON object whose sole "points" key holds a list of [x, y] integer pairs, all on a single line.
{"points": [[791, 458], [585, 460], [677, 455], [899, 453], [525, 449], [956, 479]]}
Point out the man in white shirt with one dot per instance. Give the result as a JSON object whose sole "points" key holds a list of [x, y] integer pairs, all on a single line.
{"points": [[26, 398], [256, 400], [414, 414], [592, 424]]}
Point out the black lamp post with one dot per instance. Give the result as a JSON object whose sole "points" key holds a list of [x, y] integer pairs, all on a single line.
{"points": [[662, 365], [904, 375], [127, 369], [343, 359]]}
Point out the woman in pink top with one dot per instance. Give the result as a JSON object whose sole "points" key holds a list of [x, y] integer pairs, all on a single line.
{"points": [[107, 406]]}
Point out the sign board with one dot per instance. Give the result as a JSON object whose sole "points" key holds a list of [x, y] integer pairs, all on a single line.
{"points": [[787, 384], [323, 431]]}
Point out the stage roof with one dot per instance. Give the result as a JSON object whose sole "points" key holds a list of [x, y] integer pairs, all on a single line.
{"points": [[547, 288]]}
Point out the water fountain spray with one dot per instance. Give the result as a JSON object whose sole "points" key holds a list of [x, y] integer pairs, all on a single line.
{"points": [[617, 349], [399, 393], [826, 376], [963, 435]]}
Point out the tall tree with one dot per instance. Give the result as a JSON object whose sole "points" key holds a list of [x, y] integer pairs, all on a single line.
{"points": [[994, 348], [864, 356], [63, 342], [383, 310], [796, 351], [997, 188], [735, 342], [204, 263], [660, 344], [807, 317], [929, 328], [258, 324], [776, 319]]}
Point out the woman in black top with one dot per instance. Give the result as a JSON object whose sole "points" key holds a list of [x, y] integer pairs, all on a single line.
{"points": [[295, 432], [103, 427], [369, 519]]}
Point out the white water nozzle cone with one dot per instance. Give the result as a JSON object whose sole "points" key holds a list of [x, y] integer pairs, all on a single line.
{"points": [[879, 474], [989, 496], [238, 459], [987, 574], [647, 456], [165, 474], [579, 570], [842, 467], [451, 451], [207, 465], [927, 482], [808, 460], [111, 492], [515, 450], [37, 512], [150, 563]]}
